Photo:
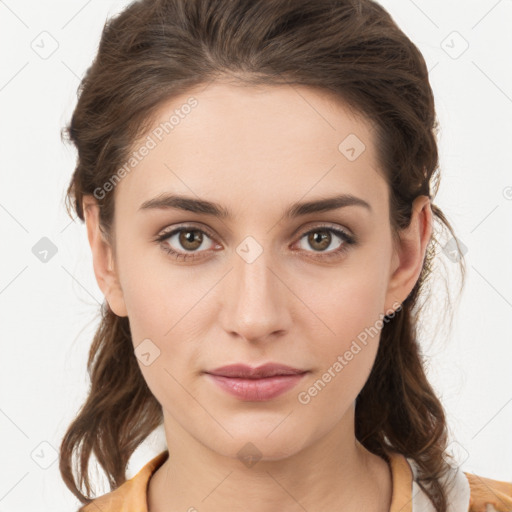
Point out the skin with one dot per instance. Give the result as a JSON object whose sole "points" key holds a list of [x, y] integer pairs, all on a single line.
{"points": [[256, 150]]}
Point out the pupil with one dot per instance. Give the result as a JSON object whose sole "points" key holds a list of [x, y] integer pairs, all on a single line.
{"points": [[189, 239], [320, 237]]}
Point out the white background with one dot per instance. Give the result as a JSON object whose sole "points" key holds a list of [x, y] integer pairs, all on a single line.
{"points": [[50, 309]]}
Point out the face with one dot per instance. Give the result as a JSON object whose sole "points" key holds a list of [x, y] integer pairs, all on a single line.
{"points": [[307, 289]]}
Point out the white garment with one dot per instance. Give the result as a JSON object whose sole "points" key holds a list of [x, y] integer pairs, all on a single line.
{"points": [[456, 485]]}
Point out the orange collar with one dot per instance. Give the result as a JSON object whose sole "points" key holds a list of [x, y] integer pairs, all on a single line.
{"points": [[401, 474], [131, 496]]}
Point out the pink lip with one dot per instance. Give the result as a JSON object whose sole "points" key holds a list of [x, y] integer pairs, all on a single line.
{"points": [[259, 389], [256, 384], [244, 371]]}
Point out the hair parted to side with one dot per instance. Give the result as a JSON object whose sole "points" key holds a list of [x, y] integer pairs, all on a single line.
{"points": [[157, 49]]}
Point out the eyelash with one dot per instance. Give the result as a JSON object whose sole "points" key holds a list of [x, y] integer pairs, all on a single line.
{"points": [[347, 239]]}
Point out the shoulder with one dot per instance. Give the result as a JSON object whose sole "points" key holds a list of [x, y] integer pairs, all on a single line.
{"points": [[131, 496], [465, 492], [488, 495]]}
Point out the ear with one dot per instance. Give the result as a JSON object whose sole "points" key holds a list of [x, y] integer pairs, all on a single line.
{"points": [[408, 257], [103, 258]]}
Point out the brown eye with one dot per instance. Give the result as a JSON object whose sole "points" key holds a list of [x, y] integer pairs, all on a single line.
{"points": [[319, 240], [185, 242], [188, 239], [324, 237]]}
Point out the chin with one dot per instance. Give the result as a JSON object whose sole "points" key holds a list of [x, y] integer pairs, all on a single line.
{"points": [[259, 446]]}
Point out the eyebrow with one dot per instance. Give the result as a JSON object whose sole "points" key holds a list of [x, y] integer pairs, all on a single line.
{"points": [[190, 204]]}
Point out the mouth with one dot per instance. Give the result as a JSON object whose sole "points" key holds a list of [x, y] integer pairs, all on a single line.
{"points": [[244, 371], [256, 384]]}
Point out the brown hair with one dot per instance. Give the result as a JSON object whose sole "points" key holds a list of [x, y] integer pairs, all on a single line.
{"points": [[157, 49]]}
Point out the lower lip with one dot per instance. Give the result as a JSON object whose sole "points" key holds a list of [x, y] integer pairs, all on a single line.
{"points": [[257, 390]]}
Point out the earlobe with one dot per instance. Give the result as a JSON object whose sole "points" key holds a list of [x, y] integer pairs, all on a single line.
{"points": [[410, 252], [103, 259]]}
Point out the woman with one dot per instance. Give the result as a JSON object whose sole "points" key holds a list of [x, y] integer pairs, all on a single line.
{"points": [[257, 178]]}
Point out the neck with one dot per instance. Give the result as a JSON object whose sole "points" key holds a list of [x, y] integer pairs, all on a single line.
{"points": [[333, 473]]}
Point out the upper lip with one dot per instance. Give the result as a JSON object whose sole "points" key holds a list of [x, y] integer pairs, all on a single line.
{"points": [[248, 372]]}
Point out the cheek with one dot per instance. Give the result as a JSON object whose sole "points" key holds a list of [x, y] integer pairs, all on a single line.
{"points": [[356, 322], [345, 330], [155, 296], [344, 358], [344, 304], [159, 300]]}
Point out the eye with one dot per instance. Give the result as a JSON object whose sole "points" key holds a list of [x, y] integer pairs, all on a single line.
{"points": [[321, 238], [188, 241], [189, 238]]}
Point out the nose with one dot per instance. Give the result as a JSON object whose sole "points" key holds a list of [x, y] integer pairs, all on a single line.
{"points": [[255, 299]]}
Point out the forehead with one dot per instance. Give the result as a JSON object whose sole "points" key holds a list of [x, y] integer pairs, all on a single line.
{"points": [[252, 143]]}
